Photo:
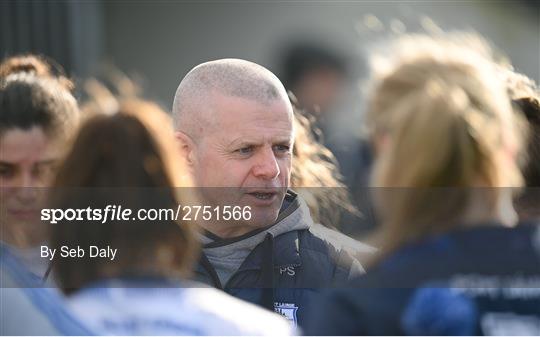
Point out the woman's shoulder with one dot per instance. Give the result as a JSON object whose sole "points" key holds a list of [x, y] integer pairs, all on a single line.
{"points": [[185, 308]]}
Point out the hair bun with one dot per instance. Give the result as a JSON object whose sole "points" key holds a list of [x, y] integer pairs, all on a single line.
{"points": [[25, 64], [36, 66]]}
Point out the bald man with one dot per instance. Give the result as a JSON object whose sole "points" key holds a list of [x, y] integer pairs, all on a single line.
{"points": [[234, 125]]}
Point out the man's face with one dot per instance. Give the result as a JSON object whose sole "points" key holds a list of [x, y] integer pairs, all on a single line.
{"points": [[246, 153], [27, 159]]}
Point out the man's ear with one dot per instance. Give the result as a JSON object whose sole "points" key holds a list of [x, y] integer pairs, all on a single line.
{"points": [[186, 147]]}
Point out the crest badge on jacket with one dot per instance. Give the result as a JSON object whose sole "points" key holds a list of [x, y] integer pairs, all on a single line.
{"points": [[287, 310]]}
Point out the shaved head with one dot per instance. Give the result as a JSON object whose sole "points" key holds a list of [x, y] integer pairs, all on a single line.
{"points": [[234, 127], [193, 107]]}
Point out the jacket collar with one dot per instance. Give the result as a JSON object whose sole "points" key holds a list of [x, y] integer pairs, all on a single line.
{"points": [[286, 253], [291, 204]]}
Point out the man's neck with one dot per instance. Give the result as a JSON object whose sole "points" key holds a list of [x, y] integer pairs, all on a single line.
{"points": [[225, 231]]}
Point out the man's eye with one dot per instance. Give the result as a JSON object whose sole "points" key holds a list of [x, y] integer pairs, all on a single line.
{"points": [[245, 150], [282, 148]]}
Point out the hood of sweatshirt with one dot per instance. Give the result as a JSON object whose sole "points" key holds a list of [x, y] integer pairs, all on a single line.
{"points": [[226, 255]]}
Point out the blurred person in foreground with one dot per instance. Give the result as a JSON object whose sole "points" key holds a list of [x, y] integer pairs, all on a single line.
{"points": [[234, 126], [38, 117], [29, 308], [525, 97], [451, 261], [126, 157]]}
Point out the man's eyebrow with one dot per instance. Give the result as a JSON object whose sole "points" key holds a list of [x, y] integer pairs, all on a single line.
{"points": [[243, 142], [283, 141], [253, 142], [6, 163]]}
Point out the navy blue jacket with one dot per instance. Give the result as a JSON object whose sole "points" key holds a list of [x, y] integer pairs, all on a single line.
{"points": [[285, 273], [481, 281]]}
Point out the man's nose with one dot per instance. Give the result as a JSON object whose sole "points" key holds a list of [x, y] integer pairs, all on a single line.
{"points": [[267, 166]]}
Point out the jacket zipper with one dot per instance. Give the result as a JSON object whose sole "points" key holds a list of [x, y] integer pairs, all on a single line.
{"points": [[211, 271]]}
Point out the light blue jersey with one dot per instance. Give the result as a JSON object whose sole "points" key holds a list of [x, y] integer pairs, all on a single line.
{"points": [[27, 309], [124, 307]]}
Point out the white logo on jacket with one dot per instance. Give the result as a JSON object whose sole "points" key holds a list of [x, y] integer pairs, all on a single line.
{"points": [[288, 270]]}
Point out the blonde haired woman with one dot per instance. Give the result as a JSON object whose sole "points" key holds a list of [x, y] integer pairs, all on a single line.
{"points": [[447, 146]]}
